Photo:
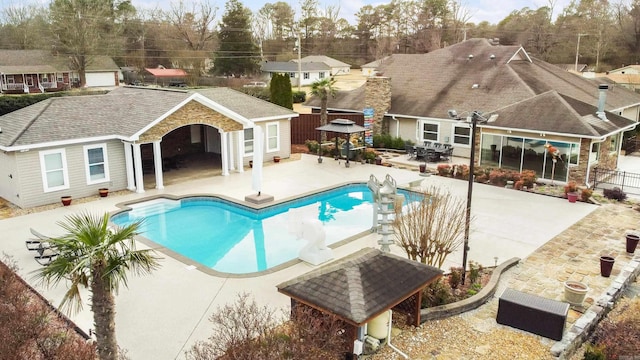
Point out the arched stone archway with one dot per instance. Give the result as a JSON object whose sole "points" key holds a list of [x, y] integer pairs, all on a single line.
{"points": [[229, 134]]}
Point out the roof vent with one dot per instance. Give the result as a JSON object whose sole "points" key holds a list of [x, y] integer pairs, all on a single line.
{"points": [[475, 86], [470, 57], [492, 57]]}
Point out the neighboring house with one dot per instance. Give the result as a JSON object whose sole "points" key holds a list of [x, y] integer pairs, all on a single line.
{"points": [[337, 67], [164, 76], [533, 103], [572, 67], [310, 72], [371, 69], [77, 144], [37, 71], [627, 76]]}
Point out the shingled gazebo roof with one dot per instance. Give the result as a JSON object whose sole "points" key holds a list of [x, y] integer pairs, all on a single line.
{"points": [[361, 286]]}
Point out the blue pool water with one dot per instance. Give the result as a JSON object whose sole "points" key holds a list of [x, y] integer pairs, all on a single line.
{"points": [[232, 238]]}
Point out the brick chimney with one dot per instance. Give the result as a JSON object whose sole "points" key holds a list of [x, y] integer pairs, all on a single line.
{"points": [[602, 89], [377, 95]]}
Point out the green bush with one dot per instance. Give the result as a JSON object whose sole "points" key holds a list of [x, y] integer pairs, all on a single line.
{"points": [[386, 141], [436, 294], [455, 277], [594, 352], [312, 145], [299, 96], [615, 194]]}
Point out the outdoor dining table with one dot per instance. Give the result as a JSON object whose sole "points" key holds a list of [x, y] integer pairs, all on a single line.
{"points": [[438, 150]]}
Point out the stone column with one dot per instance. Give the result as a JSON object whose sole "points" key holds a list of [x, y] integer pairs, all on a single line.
{"points": [[377, 95]]}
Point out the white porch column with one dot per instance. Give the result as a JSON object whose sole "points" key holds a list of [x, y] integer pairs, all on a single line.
{"points": [[224, 149], [137, 158], [240, 150], [157, 163], [128, 163], [232, 150]]}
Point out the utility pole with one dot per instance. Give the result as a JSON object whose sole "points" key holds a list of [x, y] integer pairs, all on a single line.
{"points": [[578, 50], [299, 46]]}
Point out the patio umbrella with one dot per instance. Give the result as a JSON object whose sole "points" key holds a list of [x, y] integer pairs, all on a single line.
{"points": [[258, 148]]}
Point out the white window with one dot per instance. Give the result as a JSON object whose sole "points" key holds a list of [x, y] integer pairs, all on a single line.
{"points": [[59, 78], [306, 75], [430, 131], [96, 164], [273, 136], [292, 74], [321, 75], [53, 165], [11, 79], [248, 141], [462, 134]]}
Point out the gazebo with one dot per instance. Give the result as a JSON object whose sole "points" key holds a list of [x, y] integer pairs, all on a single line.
{"points": [[360, 287], [342, 126]]}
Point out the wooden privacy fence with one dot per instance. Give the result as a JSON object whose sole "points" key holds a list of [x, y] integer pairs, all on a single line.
{"points": [[304, 127]]}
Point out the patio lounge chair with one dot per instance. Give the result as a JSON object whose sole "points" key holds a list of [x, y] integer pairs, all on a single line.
{"points": [[46, 256]]}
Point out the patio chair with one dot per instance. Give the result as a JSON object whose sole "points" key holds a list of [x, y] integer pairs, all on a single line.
{"points": [[432, 155], [40, 243], [46, 257], [411, 151], [437, 145], [421, 153], [447, 154], [428, 144]]}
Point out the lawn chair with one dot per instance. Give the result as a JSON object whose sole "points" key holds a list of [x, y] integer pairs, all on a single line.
{"points": [[46, 257], [41, 244], [411, 151]]}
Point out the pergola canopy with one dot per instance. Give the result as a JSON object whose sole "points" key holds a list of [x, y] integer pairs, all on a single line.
{"points": [[342, 126], [361, 286]]}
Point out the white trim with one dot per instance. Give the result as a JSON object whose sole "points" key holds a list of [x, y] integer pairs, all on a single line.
{"points": [[521, 49], [269, 136], [421, 130], [87, 166], [44, 170]]}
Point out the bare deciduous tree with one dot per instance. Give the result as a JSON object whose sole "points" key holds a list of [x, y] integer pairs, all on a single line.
{"points": [[432, 227]]}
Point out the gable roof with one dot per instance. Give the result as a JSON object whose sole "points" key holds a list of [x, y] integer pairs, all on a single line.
{"points": [[502, 75], [551, 112], [166, 72], [42, 61], [622, 69], [290, 66], [323, 59], [120, 114], [362, 285]]}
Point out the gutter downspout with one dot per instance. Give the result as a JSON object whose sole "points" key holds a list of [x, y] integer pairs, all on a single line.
{"points": [[397, 125], [389, 337], [586, 180]]}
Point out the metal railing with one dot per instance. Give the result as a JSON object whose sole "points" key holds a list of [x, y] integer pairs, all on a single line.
{"points": [[606, 179]]}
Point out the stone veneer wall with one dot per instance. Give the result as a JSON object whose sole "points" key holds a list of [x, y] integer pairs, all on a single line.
{"points": [[606, 160], [377, 95], [191, 113]]}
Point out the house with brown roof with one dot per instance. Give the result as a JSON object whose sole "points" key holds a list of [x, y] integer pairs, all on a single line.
{"points": [[531, 104], [37, 71], [77, 144]]}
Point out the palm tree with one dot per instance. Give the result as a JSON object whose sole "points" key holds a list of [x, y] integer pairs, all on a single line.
{"points": [[96, 256], [323, 88]]}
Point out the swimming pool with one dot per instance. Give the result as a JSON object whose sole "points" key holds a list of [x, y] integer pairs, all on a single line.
{"points": [[232, 238]]}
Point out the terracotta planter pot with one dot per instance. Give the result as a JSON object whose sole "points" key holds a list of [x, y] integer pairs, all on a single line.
{"points": [[103, 192], [632, 243], [276, 159], [572, 196], [606, 265], [575, 292], [66, 200]]}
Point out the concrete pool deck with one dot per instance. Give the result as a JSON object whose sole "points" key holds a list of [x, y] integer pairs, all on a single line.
{"points": [[162, 315]]}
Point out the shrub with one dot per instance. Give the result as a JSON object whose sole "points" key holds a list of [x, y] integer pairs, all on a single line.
{"points": [[528, 178], [474, 289], [499, 177], [460, 171], [436, 294], [299, 97], [594, 352], [614, 194], [519, 185], [312, 145], [455, 276], [370, 154], [474, 271], [585, 194], [387, 141], [444, 170], [571, 186]]}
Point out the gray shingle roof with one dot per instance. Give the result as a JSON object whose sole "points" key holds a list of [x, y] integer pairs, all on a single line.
{"points": [[552, 112], [121, 113], [427, 85], [33, 61], [362, 285], [323, 59], [289, 66]]}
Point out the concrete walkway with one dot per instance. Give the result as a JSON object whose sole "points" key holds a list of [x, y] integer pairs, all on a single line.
{"points": [[162, 315]]}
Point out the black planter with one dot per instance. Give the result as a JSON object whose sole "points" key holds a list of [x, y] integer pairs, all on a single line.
{"points": [[632, 243], [606, 265]]}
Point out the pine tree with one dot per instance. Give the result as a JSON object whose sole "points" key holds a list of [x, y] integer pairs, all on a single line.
{"points": [[238, 53], [280, 88]]}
